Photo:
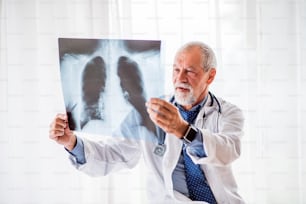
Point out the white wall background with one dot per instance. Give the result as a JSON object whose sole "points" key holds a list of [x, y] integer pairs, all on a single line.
{"points": [[261, 50]]}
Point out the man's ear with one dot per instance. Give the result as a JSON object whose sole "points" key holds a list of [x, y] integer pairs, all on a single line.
{"points": [[212, 74]]}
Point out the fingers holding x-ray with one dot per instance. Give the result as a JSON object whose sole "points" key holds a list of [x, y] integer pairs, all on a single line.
{"points": [[158, 110], [166, 116]]}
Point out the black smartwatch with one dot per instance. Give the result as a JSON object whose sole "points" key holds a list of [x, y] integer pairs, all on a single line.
{"points": [[190, 134]]}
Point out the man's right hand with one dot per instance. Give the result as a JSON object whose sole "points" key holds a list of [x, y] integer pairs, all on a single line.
{"points": [[60, 132]]}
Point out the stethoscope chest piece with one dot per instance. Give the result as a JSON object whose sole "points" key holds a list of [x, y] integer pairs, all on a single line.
{"points": [[160, 150]]}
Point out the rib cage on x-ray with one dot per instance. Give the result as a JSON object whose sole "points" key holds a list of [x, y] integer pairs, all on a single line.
{"points": [[102, 80]]}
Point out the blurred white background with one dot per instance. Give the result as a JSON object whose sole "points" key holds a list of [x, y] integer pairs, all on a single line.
{"points": [[261, 51]]}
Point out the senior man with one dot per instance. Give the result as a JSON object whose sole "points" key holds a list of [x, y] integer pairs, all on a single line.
{"points": [[190, 158]]}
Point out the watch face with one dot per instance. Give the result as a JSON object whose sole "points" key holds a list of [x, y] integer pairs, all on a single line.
{"points": [[190, 134], [160, 150]]}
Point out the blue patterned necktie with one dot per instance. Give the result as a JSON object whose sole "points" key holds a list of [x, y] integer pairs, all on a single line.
{"points": [[198, 187]]}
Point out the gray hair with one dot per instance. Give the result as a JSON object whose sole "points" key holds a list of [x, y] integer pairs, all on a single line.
{"points": [[208, 56]]}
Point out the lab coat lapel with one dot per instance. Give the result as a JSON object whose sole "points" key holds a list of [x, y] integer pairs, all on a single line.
{"points": [[170, 159]]}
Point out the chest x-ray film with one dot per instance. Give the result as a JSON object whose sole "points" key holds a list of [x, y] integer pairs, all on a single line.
{"points": [[103, 80]]}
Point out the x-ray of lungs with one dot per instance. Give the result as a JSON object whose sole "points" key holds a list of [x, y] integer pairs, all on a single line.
{"points": [[108, 81]]}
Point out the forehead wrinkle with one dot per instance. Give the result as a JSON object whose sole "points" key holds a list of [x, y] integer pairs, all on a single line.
{"points": [[181, 63]]}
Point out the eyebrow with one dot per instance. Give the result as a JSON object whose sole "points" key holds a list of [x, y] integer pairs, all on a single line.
{"points": [[192, 67]]}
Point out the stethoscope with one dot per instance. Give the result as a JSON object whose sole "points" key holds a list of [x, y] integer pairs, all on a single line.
{"points": [[160, 148]]}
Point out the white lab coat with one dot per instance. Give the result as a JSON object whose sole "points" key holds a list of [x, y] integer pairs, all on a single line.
{"points": [[221, 132]]}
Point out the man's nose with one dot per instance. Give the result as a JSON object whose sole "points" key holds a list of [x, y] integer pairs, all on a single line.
{"points": [[181, 76]]}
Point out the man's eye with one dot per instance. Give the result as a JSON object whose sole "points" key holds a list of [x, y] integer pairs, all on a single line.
{"points": [[190, 72]]}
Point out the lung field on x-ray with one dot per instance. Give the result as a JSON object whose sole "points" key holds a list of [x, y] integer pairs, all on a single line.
{"points": [[131, 82], [102, 80], [93, 86]]}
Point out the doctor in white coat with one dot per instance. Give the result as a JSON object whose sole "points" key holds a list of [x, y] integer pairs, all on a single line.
{"points": [[212, 140]]}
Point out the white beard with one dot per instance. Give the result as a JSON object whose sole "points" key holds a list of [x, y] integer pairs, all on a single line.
{"points": [[184, 98]]}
